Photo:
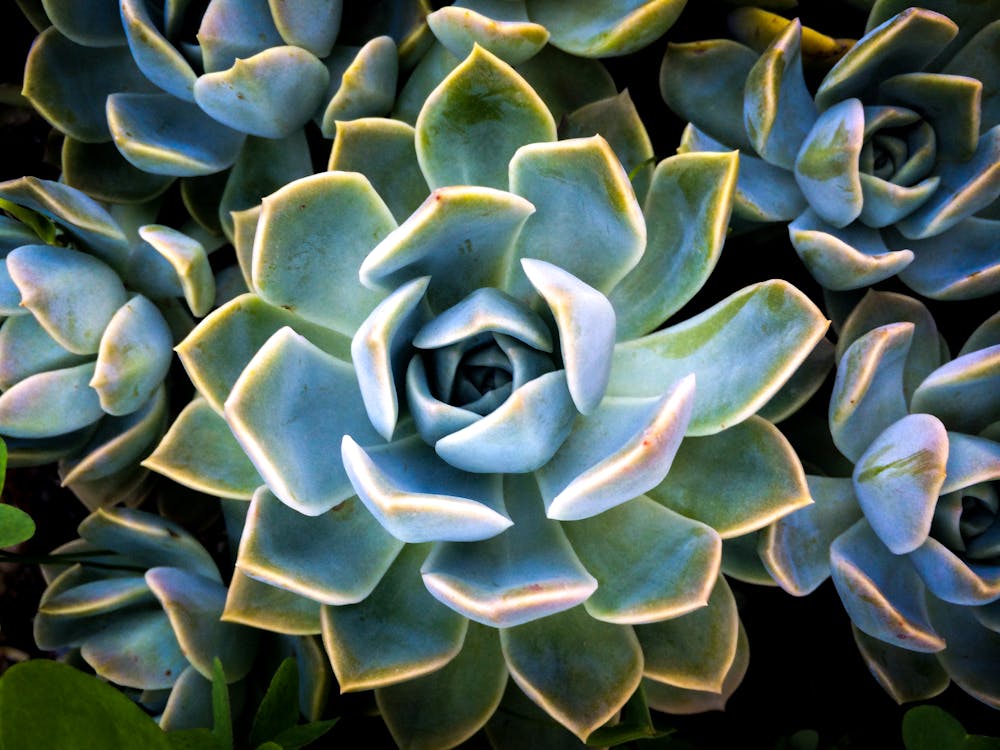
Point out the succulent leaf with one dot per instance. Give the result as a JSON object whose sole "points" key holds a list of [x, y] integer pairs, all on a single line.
{"points": [[904, 674], [260, 605], [310, 24], [156, 57], [960, 263], [963, 393], [50, 403], [971, 650], [364, 87]]}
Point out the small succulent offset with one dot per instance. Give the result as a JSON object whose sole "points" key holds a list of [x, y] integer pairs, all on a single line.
{"points": [[890, 167], [87, 304], [455, 431], [913, 536]]}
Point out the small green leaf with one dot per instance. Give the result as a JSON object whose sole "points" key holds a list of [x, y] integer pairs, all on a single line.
{"points": [[279, 710], [193, 739], [44, 227], [635, 724], [221, 712], [300, 736], [932, 728], [16, 526]]}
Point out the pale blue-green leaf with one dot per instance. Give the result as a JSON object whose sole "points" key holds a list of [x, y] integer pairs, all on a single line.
{"points": [[289, 410], [971, 460], [885, 203], [566, 82], [235, 29], [605, 28], [960, 263], [826, 166], [260, 605], [975, 60], [99, 597], [778, 110], [687, 213], [501, 28], [127, 487], [796, 549], [433, 418], [650, 563], [417, 497], [881, 591], [954, 579], [13, 233], [99, 170], [520, 435], [703, 83], [384, 151], [190, 262], [578, 183], [397, 633], [40, 451], [972, 651], [868, 393], [764, 192], [94, 25], [337, 557], [902, 44], [194, 604], [72, 295], [156, 57], [26, 349], [311, 239], [528, 572], [989, 616], [433, 68], [950, 103], [222, 345], [963, 393], [783, 325], [475, 120], [676, 700], [986, 334], [518, 721], [620, 451], [160, 134], [741, 560], [361, 85], [763, 481], [139, 652], [904, 674], [50, 403], [189, 708], [462, 237], [263, 166], [446, 707], [802, 386], [310, 24], [486, 310], [244, 232], [966, 187], [67, 83], [545, 657], [199, 451]]}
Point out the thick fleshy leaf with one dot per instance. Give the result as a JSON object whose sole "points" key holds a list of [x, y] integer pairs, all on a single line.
{"points": [[620, 451], [222, 345], [462, 237], [520, 435], [960, 263], [161, 134], [194, 604], [73, 295], [687, 214], [260, 605], [975, 61], [780, 321], [578, 183], [973, 651], [741, 559], [471, 125], [881, 592], [433, 68], [953, 579], [966, 187], [310, 24], [898, 478], [501, 28], [778, 110], [703, 82], [140, 651], [395, 634], [963, 393], [763, 480], [904, 43], [904, 674], [868, 392], [189, 705], [384, 151], [651, 564], [486, 310], [826, 166], [971, 460], [311, 239], [417, 497], [199, 451], [796, 549], [801, 387], [433, 418], [546, 658], [566, 82], [26, 349], [585, 320], [335, 558], [289, 410], [446, 707], [50, 403], [607, 28], [157, 58], [518, 720], [527, 572], [849, 257], [232, 29], [949, 103], [886, 203], [97, 25], [100, 170], [696, 651], [361, 85]]}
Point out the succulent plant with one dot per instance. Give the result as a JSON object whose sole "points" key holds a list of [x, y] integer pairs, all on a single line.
{"points": [[889, 167], [454, 421], [912, 537], [89, 310]]}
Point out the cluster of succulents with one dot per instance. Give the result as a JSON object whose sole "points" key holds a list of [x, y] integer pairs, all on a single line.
{"points": [[482, 434]]}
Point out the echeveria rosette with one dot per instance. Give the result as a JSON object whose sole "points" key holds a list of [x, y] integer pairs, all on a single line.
{"points": [[463, 425], [913, 536], [88, 306], [889, 167]]}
